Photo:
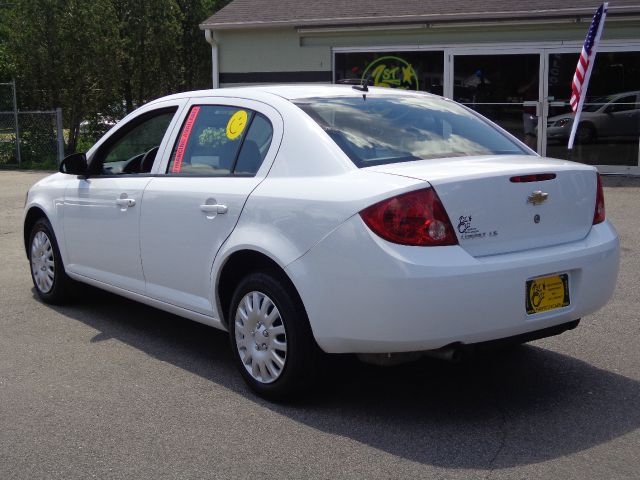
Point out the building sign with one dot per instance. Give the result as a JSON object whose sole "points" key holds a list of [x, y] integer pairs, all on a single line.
{"points": [[391, 72], [407, 70]]}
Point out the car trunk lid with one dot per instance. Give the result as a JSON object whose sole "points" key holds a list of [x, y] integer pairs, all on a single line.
{"points": [[494, 213]]}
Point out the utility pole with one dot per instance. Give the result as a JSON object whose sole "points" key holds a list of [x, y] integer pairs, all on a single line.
{"points": [[15, 118], [60, 134]]}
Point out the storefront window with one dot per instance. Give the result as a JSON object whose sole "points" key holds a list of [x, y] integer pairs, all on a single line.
{"points": [[609, 130], [405, 70], [504, 88], [507, 89]]}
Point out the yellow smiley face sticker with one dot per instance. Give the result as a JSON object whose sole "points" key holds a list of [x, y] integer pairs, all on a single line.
{"points": [[236, 124]]}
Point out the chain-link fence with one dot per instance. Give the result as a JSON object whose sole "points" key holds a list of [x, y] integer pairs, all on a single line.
{"points": [[9, 152], [40, 139], [28, 139]]}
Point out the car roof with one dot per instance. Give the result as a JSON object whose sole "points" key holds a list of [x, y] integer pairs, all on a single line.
{"points": [[615, 96], [289, 92]]}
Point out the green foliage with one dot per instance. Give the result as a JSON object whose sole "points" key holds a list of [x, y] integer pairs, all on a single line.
{"points": [[84, 143], [212, 137], [100, 59], [7, 151], [61, 52], [194, 54]]}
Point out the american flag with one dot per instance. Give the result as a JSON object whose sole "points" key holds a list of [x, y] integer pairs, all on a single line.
{"points": [[583, 70], [581, 77]]}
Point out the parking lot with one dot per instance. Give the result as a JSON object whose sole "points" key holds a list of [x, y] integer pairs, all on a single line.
{"points": [[108, 388]]}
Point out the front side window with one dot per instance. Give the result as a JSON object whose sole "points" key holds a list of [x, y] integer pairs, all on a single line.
{"points": [[389, 129], [221, 140], [133, 150]]}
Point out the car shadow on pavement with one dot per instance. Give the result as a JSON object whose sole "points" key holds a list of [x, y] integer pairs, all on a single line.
{"points": [[521, 406]]}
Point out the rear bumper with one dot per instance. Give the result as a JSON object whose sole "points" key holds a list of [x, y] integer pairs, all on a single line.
{"points": [[525, 337], [366, 295]]}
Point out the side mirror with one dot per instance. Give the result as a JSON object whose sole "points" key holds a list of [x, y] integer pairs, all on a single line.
{"points": [[74, 164]]}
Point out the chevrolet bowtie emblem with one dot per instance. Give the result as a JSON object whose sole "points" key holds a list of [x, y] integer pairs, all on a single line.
{"points": [[537, 197]]}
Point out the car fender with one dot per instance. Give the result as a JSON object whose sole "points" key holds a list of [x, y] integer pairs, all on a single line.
{"points": [[49, 197], [267, 241]]}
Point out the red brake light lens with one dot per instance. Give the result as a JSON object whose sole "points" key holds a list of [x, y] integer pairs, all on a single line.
{"points": [[537, 177], [599, 214], [416, 218]]}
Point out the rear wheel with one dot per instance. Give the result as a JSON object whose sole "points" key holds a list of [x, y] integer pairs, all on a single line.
{"points": [[270, 336], [47, 271]]}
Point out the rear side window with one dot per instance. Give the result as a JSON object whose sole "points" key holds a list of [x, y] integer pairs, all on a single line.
{"points": [[389, 129], [218, 140]]}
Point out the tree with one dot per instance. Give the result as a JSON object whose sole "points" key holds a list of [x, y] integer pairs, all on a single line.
{"points": [[148, 60], [162, 49], [7, 69], [61, 56], [103, 57], [195, 53]]}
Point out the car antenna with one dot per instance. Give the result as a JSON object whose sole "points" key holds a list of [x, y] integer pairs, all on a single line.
{"points": [[363, 87]]}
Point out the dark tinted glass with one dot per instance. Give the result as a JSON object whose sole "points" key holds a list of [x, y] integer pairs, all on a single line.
{"points": [[609, 129], [503, 88], [255, 146], [129, 149], [383, 129]]}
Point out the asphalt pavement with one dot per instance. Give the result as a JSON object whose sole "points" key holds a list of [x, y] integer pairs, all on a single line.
{"points": [[107, 388]]}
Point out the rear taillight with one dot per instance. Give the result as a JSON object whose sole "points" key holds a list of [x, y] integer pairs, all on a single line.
{"points": [[598, 216], [415, 218]]}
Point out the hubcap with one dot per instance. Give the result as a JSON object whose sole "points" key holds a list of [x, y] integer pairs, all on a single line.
{"points": [[43, 265], [261, 339]]}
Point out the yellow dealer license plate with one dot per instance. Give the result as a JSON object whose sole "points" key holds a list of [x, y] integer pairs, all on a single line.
{"points": [[547, 293]]}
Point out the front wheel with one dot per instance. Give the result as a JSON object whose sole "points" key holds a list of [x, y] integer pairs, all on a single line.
{"points": [[47, 271], [270, 336]]}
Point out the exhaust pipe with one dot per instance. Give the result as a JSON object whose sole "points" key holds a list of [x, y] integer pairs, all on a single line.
{"points": [[454, 353], [451, 353]]}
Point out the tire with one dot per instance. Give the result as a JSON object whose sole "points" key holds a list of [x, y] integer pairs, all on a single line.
{"points": [[50, 280], [272, 343]]}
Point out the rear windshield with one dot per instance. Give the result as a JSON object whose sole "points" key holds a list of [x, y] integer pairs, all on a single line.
{"points": [[379, 130]]}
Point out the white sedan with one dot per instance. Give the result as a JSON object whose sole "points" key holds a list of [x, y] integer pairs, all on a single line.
{"points": [[326, 219]]}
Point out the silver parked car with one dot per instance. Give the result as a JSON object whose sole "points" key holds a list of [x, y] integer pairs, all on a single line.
{"points": [[611, 116]]}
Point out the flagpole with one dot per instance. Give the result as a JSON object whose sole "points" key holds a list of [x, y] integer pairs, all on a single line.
{"points": [[587, 77]]}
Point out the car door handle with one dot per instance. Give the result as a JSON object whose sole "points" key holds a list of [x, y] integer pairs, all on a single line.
{"points": [[125, 202], [216, 208]]}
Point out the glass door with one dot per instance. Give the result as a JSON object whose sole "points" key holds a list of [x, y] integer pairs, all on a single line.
{"points": [[609, 130], [504, 87]]}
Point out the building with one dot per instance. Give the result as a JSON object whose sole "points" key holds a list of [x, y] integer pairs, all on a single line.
{"points": [[513, 61]]}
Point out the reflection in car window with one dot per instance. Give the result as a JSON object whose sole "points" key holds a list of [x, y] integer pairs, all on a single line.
{"points": [[214, 139], [127, 153], [381, 130]]}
